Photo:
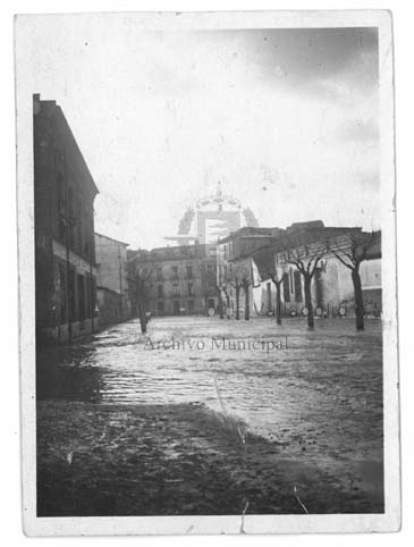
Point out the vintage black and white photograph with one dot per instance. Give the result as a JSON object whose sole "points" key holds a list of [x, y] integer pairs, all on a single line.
{"points": [[207, 264]]}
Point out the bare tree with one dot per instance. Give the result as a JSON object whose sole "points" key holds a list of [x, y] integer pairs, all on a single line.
{"points": [[236, 283], [307, 261], [214, 279], [351, 254], [143, 285], [241, 277], [246, 284], [277, 281], [219, 289], [226, 294]]}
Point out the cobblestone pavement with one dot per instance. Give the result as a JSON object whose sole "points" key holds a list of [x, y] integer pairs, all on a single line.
{"points": [[315, 395]]}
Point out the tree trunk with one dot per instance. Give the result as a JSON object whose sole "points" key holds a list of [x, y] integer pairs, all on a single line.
{"points": [[308, 301], [220, 303], [246, 304], [359, 301], [227, 304], [142, 319], [278, 305], [237, 303]]}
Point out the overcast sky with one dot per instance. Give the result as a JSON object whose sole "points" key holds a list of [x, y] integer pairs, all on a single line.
{"points": [[287, 120]]}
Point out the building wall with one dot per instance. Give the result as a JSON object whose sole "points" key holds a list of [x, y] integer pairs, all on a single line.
{"points": [[182, 280], [332, 288], [109, 304], [179, 287], [64, 192], [111, 258]]}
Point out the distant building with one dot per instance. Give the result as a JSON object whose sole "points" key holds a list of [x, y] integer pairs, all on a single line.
{"points": [[254, 254], [235, 271], [182, 279], [332, 288], [212, 218], [112, 282], [64, 192]]}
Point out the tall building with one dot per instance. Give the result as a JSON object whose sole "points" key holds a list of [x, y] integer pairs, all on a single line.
{"points": [[64, 192], [112, 283], [179, 280], [212, 218]]}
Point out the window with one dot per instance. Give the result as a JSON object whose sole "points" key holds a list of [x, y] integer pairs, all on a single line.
{"points": [[86, 234], [189, 271], [176, 291], [62, 226], [160, 307], [71, 219], [60, 182], [159, 273], [93, 292], [88, 297], [61, 207], [298, 286], [191, 306], [72, 295], [269, 296], [174, 271], [286, 293], [81, 297], [160, 292], [190, 289], [80, 231], [318, 286], [62, 293]]}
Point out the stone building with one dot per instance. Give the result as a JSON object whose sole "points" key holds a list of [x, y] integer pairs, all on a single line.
{"points": [[332, 287], [112, 284], [236, 271], [179, 280], [64, 192], [255, 254]]}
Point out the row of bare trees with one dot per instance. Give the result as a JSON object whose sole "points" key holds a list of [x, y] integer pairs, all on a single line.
{"points": [[352, 251], [239, 277]]}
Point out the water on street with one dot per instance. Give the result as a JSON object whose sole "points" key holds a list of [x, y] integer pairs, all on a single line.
{"points": [[316, 395]]}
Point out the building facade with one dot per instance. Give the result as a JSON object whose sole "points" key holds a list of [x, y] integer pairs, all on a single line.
{"points": [[64, 192], [236, 272], [332, 287], [179, 280], [112, 290], [250, 257]]}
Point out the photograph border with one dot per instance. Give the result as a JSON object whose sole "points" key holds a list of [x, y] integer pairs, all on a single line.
{"points": [[251, 524]]}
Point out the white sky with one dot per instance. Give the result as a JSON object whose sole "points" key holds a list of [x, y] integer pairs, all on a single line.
{"points": [[287, 120]]}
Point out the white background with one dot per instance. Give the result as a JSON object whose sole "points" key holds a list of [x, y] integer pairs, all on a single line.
{"points": [[11, 531]]}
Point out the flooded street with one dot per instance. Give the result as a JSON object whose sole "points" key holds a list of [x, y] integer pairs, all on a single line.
{"points": [[316, 395]]}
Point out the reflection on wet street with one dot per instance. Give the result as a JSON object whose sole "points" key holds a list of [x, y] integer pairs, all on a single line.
{"points": [[321, 395]]}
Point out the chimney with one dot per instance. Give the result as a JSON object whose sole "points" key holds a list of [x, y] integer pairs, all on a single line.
{"points": [[36, 103]]}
